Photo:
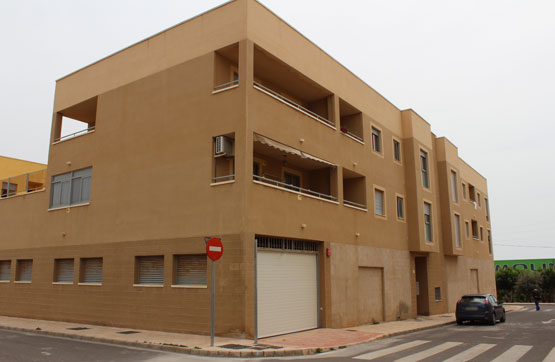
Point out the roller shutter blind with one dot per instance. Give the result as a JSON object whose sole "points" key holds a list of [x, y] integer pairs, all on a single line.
{"points": [[150, 270], [379, 202], [5, 270], [190, 270], [63, 270], [24, 270], [92, 270]]}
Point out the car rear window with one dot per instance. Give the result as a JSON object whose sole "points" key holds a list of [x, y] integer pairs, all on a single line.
{"points": [[477, 299]]}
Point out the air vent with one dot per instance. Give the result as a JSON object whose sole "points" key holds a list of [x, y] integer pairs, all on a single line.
{"points": [[223, 146]]}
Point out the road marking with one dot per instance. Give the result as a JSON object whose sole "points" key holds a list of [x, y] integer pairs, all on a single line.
{"points": [[513, 354], [390, 350], [551, 356], [429, 352], [470, 353], [549, 321]]}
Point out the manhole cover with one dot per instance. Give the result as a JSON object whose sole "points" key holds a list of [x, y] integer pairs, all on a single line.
{"points": [[128, 332], [234, 346], [78, 328]]}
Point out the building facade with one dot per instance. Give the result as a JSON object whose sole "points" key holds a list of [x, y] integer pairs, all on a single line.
{"points": [[335, 208]]}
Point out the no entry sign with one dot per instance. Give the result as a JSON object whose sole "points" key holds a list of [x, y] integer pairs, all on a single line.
{"points": [[214, 249]]}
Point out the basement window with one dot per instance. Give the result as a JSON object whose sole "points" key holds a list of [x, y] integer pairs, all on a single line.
{"points": [[63, 271], [91, 271], [223, 165], [5, 270], [24, 271], [190, 270], [149, 270]]}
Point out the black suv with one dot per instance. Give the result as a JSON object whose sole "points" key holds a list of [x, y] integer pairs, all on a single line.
{"points": [[484, 307]]}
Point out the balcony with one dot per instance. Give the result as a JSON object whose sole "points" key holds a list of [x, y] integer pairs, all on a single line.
{"points": [[23, 184], [290, 169], [287, 85], [354, 190], [75, 121], [350, 121], [226, 70]]}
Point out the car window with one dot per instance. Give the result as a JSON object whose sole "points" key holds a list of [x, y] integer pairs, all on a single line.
{"points": [[473, 299], [493, 299]]}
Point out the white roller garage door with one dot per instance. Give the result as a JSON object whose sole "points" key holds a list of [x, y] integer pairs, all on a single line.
{"points": [[287, 292]]}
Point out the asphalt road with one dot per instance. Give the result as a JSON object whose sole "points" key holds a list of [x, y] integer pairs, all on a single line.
{"points": [[526, 336]]}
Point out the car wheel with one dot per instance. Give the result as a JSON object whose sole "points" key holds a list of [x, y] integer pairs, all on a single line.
{"points": [[502, 318], [492, 321], [459, 322]]}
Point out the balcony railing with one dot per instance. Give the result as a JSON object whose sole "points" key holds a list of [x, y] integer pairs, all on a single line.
{"points": [[32, 182], [292, 104], [351, 134], [74, 134], [223, 178], [275, 181], [352, 203]]}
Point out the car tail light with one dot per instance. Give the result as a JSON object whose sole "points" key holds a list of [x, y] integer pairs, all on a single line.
{"points": [[486, 301]]}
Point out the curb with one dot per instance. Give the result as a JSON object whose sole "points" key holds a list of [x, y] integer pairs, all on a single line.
{"points": [[220, 353]]}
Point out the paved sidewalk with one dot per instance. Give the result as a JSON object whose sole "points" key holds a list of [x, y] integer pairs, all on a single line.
{"points": [[301, 343]]}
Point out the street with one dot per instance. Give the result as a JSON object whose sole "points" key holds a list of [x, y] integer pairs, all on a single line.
{"points": [[526, 336]]}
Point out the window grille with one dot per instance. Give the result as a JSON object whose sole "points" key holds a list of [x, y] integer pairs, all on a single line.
{"points": [[270, 242]]}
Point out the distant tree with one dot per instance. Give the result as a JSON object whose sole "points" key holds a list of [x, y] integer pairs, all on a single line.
{"points": [[527, 281], [505, 280], [548, 284]]}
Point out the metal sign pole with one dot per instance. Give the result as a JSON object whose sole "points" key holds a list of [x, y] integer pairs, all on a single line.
{"points": [[212, 306]]}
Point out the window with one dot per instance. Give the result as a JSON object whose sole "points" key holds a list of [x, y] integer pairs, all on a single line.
{"points": [[487, 208], [376, 140], [481, 233], [464, 190], [379, 202], [458, 231], [400, 208], [396, 150], [467, 229], [8, 189], [438, 294], [424, 167], [428, 221], [293, 181], [24, 271], [190, 270], [5, 270], [454, 196], [91, 270], [471, 193], [475, 229], [479, 200], [224, 158], [489, 242], [63, 271], [150, 270], [72, 188], [256, 169]]}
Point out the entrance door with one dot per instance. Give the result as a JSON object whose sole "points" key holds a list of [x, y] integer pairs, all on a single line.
{"points": [[422, 300]]}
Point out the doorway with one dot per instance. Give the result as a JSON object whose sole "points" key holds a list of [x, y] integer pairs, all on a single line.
{"points": [[422, 300]]}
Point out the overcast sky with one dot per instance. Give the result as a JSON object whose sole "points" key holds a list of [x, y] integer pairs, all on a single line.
{"points": [[481, 72]]}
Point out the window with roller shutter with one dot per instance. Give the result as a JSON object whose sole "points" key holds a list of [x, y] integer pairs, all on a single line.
{"points": [[63, 271], [190, 270], [24, 270], [91, 270], [5, 270], [149, 270]]}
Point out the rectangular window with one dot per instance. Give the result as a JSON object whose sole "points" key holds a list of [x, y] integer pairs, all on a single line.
{"points": [[489, 242], [150, 270], [457, 231], [479, 200], [428, 222], [379, 202], [223, 164], [438, 294], [424, 167], [5, 270], [400, 208], [91, 270], [24, 271], [471, 193], [481, 233], [71, 188], [475, 230], [190, 270], [455, 196], [467, 229], [376, 140], [8, 189], [464, 190], [396, 150], [487, 208], [63, 271], [293, 181]]}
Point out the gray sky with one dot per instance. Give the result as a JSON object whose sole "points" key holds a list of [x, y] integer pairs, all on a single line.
{"points": [[481, 72]]}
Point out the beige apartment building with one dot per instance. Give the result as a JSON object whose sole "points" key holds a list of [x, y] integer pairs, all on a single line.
{"points": [[335, 208]]}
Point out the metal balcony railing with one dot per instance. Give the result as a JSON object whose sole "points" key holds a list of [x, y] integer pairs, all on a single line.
{"points": [[275, 181], [23, 184], [351, 134], [292, 104], [226, 85], [74, 134], [223, 178], [352, 203]]}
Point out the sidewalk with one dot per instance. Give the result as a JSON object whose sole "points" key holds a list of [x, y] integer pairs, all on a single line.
{"points": [[301, 343]]}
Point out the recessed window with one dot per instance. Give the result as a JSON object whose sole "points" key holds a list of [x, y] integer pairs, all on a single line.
{"points": [[471, 192], [5, 270], [428, 222], [396, 150], [63, 271], [475, 231], [467, 229], [457, 230], [379, 200], [454, 194], [224, 158], [190, 270], [464, 191], [376, 140], [150, 270], [91, 270], [438, 294], [400, 208], [24, 271], [489, 242], [481, 233], [72, 188], [487, 208], [479, 200], [424, 167]]}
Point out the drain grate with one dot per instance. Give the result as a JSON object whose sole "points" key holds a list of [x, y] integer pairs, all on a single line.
{"points": [[128, 332], [78, 328], [234, 346]]}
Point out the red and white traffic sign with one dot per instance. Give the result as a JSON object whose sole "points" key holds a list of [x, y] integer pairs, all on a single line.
{"points": [[214, 249]]}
